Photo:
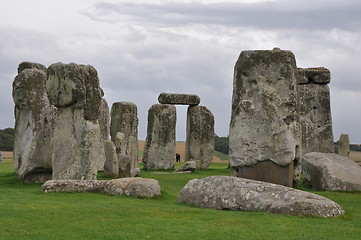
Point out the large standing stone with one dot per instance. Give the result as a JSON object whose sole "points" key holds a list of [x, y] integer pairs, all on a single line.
{"points": [[124, 119], [331, 172], [33, 124], [176, 98], [76, 144], [159, 149], [239, 194], [343, 147], [315, 110], [199, 145], [104, 120], [264, 134]]}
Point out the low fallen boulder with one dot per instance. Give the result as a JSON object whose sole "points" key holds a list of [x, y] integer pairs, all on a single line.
{"points": [[240, 194], [187, 166], [138, 187], [331, 172]]}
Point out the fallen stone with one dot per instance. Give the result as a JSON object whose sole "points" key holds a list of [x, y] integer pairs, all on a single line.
{"points": [[343, 147], [188, 166], [239, 194], [175, 98], [135, 172], [74, 185], [139, 187], [331, 172], [181, 172]]}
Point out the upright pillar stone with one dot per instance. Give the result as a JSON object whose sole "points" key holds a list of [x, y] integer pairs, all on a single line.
{"points": [[343, 147], [160, 144], [199, 145], [315, 110], [264, 134], [124, 119], [77, 143], [34, 117]]}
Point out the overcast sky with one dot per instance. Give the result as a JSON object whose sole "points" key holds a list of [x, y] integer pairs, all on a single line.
{"points": [[143, 48]]}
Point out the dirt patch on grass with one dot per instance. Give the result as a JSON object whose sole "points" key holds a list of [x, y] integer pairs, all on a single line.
{"points": [[7, 154]]}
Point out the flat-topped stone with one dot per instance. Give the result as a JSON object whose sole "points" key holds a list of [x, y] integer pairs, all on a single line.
{"points": [[319, 75], [176, 98]]}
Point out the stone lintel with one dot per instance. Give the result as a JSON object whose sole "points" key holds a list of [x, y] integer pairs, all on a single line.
{"points": [[176, 98], [319, 75]]}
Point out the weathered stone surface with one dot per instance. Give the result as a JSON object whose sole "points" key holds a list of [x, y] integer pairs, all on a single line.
{"points": [[76, 144], [199, 145], [139, 187], [104, 120], [74, 186], [264, 123], [159, 146], [187, 166], [315, 118], [135, 172], [175, 98], [33, 124], [29, 65], [318, 75], [343, 147], [124, 119], [239, 194], [332, 172], [124, 166], [111, 167]]}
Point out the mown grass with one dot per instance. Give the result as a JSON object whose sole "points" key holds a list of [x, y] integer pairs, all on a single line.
{"points": [[28, 213]]}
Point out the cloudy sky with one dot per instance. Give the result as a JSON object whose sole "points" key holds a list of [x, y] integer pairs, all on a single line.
{"points": [[143, 48]]}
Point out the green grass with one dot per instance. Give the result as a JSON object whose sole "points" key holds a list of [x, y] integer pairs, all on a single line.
{"points": [[28, 213], [221, 156]]}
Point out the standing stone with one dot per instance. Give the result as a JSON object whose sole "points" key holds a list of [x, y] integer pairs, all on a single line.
{"points": [[104, 120], [111, 167], [76, 143], [124, 119], [315, 110], [176, 98], [199, 145], [159, 149], [264, 134], [33, 124], [124, 163], [343, 147]]}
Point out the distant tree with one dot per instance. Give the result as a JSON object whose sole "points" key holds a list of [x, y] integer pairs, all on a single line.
{"points": [[221, 144], [7, 136]]}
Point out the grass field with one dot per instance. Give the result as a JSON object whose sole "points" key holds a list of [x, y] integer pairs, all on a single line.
{"points": [[28, 213]]}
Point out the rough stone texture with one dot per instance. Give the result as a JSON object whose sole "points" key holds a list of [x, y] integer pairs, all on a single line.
{"points": [[135, 172], [159, 149], [111, 167], [264, 123], [188, 166], [318, 75], [104, 120], [139, 187], [199, 145], [74, 186], [181, 99], [124, 119], [29, 65], [76, 143], [343, 147], [33, 124], [315, 111], [124, 164], [332, 172], [240, 194]]}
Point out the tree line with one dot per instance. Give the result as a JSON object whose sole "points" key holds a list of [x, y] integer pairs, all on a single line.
{"points": [[7, 139]]}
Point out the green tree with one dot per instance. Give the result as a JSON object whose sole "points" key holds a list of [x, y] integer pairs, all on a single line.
{"points": [[7, 136], [221, 144]]}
